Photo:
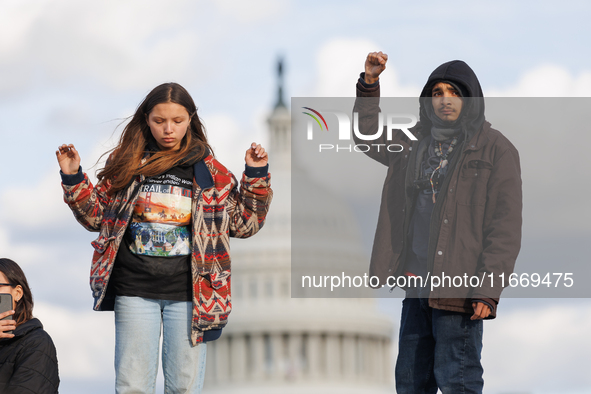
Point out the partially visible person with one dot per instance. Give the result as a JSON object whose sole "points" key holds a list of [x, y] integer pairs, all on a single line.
{"points": [[28, 360]]}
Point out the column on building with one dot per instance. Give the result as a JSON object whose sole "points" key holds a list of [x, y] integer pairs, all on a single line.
{"points": [[313, 353], [278, 370], [257, 356], [221, 359], [349, 357], [332, 359], [238, 357], [294, 359]]}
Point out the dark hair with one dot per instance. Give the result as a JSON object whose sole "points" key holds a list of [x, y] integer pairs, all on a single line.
{"points": [[15, 275], [125, 161]]}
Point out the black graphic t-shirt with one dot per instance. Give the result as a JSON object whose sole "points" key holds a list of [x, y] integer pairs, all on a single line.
{"points": [[154, 258]]}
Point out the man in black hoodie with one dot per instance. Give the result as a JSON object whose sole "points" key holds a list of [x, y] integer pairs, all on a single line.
{"points": [[451, 206]]}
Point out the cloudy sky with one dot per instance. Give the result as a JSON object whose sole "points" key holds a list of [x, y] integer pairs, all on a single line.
{"points": [[72, 71]]}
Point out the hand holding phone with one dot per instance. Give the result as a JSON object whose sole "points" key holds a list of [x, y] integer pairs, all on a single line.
{"points": [[6, 322]]}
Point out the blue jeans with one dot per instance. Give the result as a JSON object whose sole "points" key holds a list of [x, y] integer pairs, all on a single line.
{"points": [[438, 349], [137, 341]]}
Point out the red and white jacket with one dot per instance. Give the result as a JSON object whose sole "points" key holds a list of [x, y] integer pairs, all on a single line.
{"points": [[220, 210]]}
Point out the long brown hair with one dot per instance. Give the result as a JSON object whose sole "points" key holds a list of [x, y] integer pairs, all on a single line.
{"points": [[16, 277], [125, 161]]}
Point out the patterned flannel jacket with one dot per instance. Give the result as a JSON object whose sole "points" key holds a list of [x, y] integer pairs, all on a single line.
{"points": [[219, 210]]}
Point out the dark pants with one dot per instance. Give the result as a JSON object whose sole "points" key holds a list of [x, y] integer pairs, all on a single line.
{"points": [[438, 349]]}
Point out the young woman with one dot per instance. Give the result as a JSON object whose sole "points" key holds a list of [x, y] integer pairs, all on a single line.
{"points": [[28, 362], [165, 209]]}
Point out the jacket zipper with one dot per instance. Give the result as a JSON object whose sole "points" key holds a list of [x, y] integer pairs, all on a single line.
{"points": [[434, 225], [409, 204]]}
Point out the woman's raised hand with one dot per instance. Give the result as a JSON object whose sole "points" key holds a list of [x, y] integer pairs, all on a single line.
{"points": [[256, 156], [68, 159], [7, 325]]}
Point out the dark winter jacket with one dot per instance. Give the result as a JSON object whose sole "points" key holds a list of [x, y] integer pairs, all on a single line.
{"points": [[28, 361], [475, 226]]}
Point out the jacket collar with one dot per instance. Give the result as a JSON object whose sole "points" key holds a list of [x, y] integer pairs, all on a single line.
{"points": [[23, 330], [27, 327], [478, 140], [202, 175]]}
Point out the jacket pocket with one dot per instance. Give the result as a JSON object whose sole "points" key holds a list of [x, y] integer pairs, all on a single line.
{"points": [[102, 243], [215, 300], [473, 182]]}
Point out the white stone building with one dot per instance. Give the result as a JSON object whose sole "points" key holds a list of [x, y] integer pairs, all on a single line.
{"points": [[274, 343]]}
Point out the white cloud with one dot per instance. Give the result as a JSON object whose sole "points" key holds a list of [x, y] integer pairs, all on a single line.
{"points": [[16, 20], [230, 139], [547, 81], [339, 62], [38, 205], [120, 44], [85, 341], [24, 253], [252, 11], [4, 241], [539, 349]]}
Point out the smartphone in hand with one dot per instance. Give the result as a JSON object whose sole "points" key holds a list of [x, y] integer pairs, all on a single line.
{"points": [[6, 305]]}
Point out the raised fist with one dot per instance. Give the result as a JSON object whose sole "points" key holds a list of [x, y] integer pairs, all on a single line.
{"points": [[374, 65]]}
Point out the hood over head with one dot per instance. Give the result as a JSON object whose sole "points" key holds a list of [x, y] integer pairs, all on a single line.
{"points": [[461, 76]]}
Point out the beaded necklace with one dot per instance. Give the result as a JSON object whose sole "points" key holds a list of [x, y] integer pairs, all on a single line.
{"points": [[442, 161]]}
